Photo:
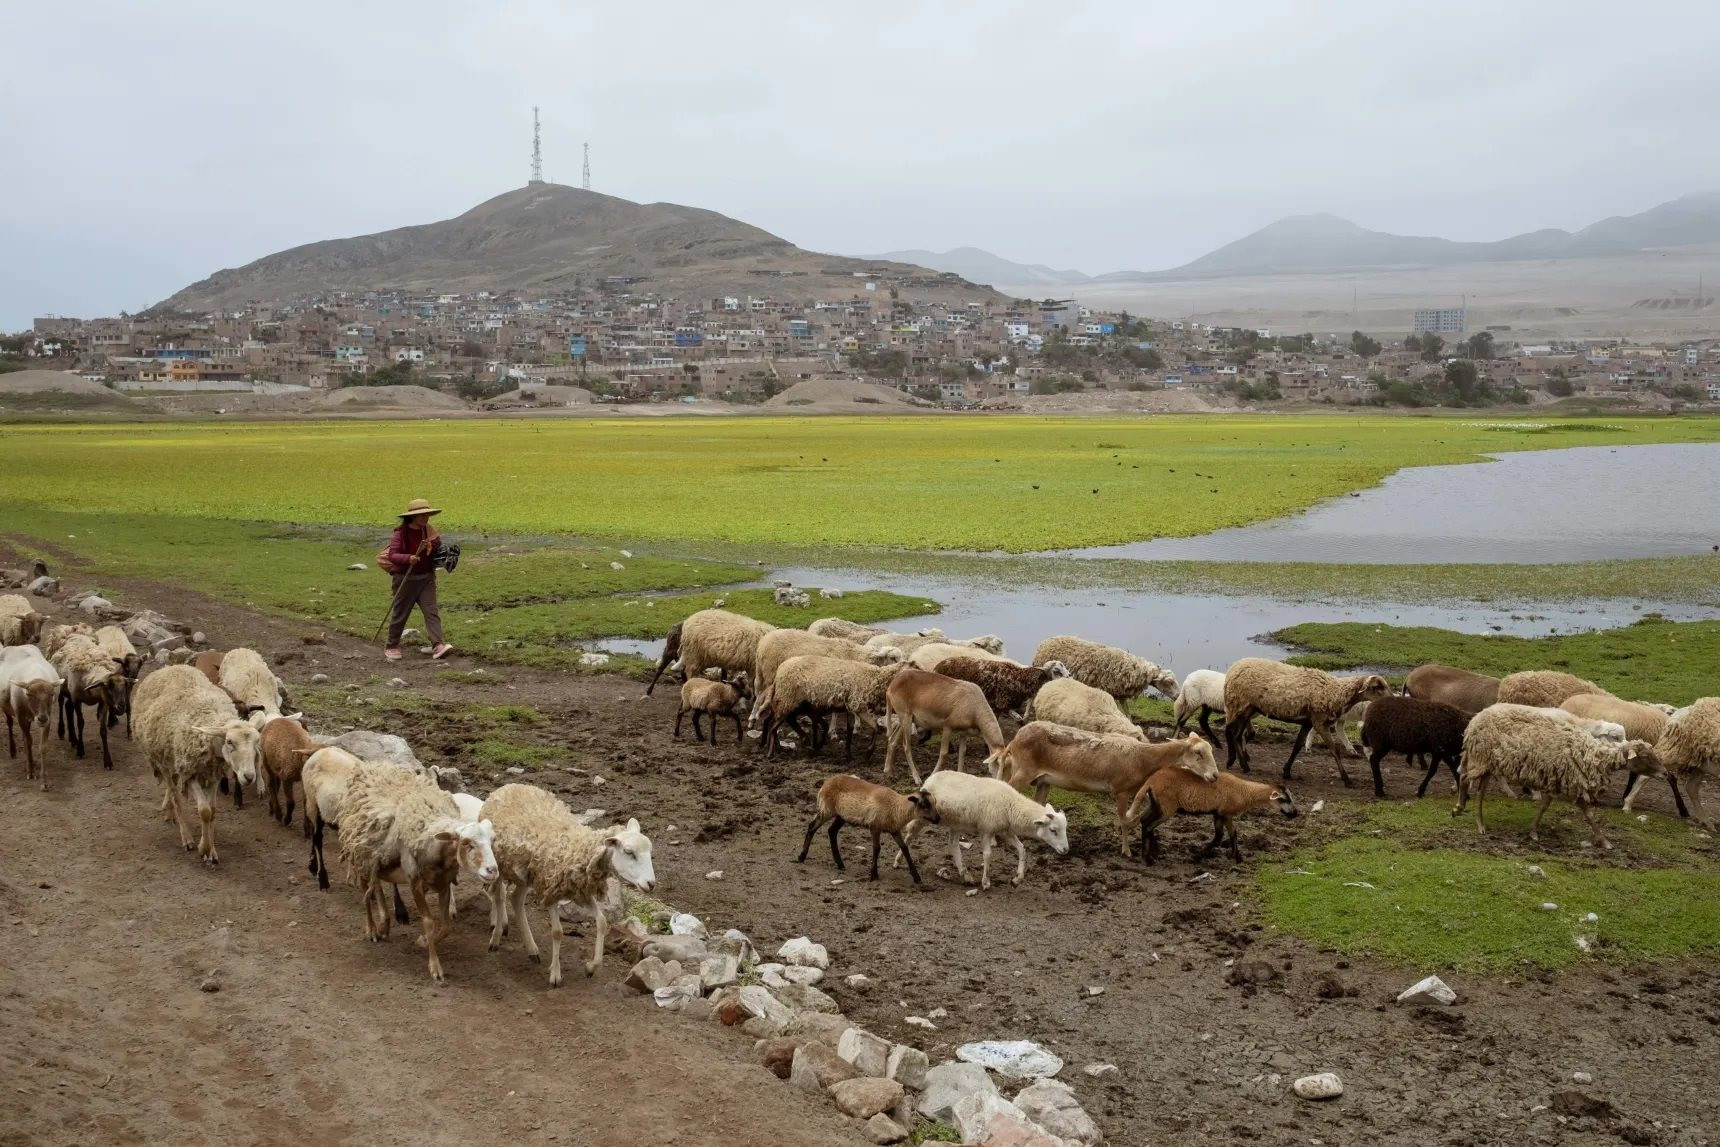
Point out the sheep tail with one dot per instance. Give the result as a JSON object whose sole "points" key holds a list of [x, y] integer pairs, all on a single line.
{"points": [[671, 651]]}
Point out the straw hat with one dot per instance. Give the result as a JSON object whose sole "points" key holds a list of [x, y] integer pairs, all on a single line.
{"points": [[419, 506]]}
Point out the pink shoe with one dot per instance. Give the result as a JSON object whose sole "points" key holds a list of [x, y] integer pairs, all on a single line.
{"points": [[391, 654], [441, 651]]}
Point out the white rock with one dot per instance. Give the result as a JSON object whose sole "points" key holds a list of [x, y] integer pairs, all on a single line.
{"points": [[756, 1001], [591, 816], [983, 1118], [1012, 1059], [1432, 990], [1591, 918], [1535, 870], [719, 970], [616, 566], [686, 924], [735, 941], [920, 1022], [804, 952], [1549, 906], [516, 770], [1098, 1070], [675, 996], [1581, 1077], [1051, 1104], [319, 678], [859, 982], [357, 566], [626, 553], [806, 977], [1325, 1085], [714, 874], [948, 1084], [593, 659], [397, 682], [937, 1014], [1318, 805], [907, 1066], [830, 593], [1094, 990], [93, 605], [869, 1054]]}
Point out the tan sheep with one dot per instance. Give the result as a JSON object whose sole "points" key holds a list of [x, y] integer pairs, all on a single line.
{"points": [[55, 634], [933, 701], [1170, 792], [20, 624], [1471, 692], [247, 679], [1543, 687], [843, 628], [779, 645], [711, 639], [193, 737], [89, 676], [1690, 748], [1117, 671], [819, 687], [703, 697], [934, 653], [1309, 698], [906, 642], [845, 799], [285, 748], [208, 663], [1640, 723], [1067, 701]]}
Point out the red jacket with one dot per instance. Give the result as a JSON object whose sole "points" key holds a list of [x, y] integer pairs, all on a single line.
{"points": [[407, 543]]}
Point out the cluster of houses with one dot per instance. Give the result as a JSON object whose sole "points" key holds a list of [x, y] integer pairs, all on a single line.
{"points": [[640, 347]]}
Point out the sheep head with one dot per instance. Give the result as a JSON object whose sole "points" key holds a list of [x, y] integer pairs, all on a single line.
{"points": [[885, 655], [240, 747], [1160, 678], [1368, 688], [1053, 828], [990, 642], [30, 628], [923, 807], [1196, 757], [1281, 797], [1640, 758], [1055, 669], [474, 848], [629, 854]]}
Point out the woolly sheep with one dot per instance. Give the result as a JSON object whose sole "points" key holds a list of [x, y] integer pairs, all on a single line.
{"points": [[1306, 697], [541, 847], [20, 624], [1543, 687], [119, 647], [89, 676], [1202, 693], [247, 679], [1411, 726], [988, 808], [1068, 701], [935, 653], [1546, 755], [1469, 691], [906, 642], [779, 645], [846, 799], [1640, 722], [933, 701], [815, 686], [194, 737], [1170, 792], [55, 634], [711, 639], [1690, 749], [1008, 687], [1116, 671], [326, 776], [703, 697], [1044, 756], [843, 628], [29, 687]]}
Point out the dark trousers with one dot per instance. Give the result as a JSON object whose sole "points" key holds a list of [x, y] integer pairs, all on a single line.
{"points": [[408, 592]]}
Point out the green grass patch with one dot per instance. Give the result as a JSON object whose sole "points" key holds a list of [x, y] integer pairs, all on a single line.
{"points": [[1654, 660], [935, 1133], [1408, 883], [503, 753]]}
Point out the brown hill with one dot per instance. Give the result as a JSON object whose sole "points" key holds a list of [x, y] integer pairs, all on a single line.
{"points": [[549, 237]]}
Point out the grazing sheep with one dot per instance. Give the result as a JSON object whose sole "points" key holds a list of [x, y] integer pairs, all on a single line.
{"points": [[1170, 792], [541, 847], [55, 634], [1690, 748], [1055, 756], [846, 799], [934, 653], [845, 629], [1067, 701], [1309, 698], [779, 645], [934, 701], [1116, 671], [1543, 687], [397, 828], [29, 688], [906, 642], [711, 639], [20, 624], [988, 809], [1411, 726], [285, 747], [367, 745], [89, 676], [1546, 755], [1008, 687], [1640, 722], [712, 699], [194, 737], [1471, 692], [247, 679], [819, 687], [208, 663], [1202, 692]]}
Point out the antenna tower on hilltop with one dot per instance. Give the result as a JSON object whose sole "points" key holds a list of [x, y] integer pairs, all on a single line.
{"points": [[585, 172], [537, 148]]}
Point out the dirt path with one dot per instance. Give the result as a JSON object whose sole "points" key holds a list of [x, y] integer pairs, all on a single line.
{"points": [[1199, 1059]]}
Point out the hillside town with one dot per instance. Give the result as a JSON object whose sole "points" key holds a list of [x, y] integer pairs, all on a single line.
{"points": [[616, 344]]}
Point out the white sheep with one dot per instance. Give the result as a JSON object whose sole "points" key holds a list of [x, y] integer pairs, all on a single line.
{"points": [[1546, 688], [842, 627], [819, 687], [55, 634], [906, 642], [89, 676], [711, 639], [779, 645], [20, 624], [1689, 749], [326, 776], [253, 686], [1117, 671], [1548, 756], [934, 653], [194, 737], [541, 847], [1066, 701], [1202, 694], [988, 808], [1310, 698], [29, 689]]}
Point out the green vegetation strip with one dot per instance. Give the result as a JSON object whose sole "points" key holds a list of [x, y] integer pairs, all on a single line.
{"points": [[1652, 660], [1407, 883], [984, 484]]}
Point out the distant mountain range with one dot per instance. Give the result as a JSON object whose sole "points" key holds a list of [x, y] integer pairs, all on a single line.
{"points": [[1311, 244], [547, 236]]}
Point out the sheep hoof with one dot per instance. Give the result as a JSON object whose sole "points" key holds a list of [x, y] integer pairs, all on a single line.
{"points": [[495, 946], [590, 970], [535, 958]]}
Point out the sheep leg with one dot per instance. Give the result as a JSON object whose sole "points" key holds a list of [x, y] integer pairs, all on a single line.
{"points": [[1295, 748], [498, 912], [985, 862], [1217, 838], [1374, 759], [11, 745], [599, 926], [740, 730], [287, 792], [956, 857], [1694, 784], [1594, 825], [961, 754], [429, 928], [176, 815], [1340, 746], [1535, 821], [877, 841], [238, 792], [907, 835], [943, 751], [1236, 747], [400, 907], [555, 945], [1235, 852], [679, 713], [205, 814], [835, 850], [889, 743], [1205, 723], [519, 913], [1020, 861], [811, 830], [905, 731], [1432, 771], [902, 854], [1480, 801], [848, 746], [1677, 797], [319, 862], [1123, 800], [1633, 783]]}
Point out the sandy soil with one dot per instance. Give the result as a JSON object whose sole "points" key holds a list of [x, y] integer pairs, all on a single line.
{"points": [[107, 1036]]}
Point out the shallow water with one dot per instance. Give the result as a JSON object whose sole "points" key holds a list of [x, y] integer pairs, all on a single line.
{"points": [[1581, 504]]}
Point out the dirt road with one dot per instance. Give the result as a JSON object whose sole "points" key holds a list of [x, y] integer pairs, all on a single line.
{"points": [[316, 1034]]}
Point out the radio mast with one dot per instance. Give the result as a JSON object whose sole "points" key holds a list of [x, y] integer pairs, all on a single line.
{"points": [[585, 172], [537, 148]]}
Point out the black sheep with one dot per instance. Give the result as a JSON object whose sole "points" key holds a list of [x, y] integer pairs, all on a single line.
{"points": [[1409, 725]]}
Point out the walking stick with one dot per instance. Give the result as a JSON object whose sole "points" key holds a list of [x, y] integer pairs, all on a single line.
{"points": [[392, 602]]}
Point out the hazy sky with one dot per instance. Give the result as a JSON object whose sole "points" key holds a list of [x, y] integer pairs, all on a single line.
{"points": [[148, 144]]}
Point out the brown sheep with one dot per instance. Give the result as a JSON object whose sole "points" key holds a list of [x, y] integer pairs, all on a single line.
{"points": [[1008, 687], [1172, 791], [846, 799], [286, 746], [1471, 692]]}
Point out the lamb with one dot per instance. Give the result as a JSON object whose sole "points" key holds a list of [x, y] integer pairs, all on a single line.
{"points": [[285, 747], [846, 799], [194, 737], [1471, 692], [1067, 701], [934, 653], [1548, 756], [29, 687], [1309, 698], [779, 645], [397, 828], [539, 845], [934, 701], [1202, 692], [1640, 722], [208, 663], [1690, 748], [711, 639], [845, 629], [988, 808], [1410, 726], [906, 642], [820, 686], [119, 647], [1169, 792], [247, 679], [1008, 687], [89, 676], [1046, 756], [20, 624], [1543, 687], [701, 696], [1116, 671]]}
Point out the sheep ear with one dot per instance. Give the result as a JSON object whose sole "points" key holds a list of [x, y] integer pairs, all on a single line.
{"points": [[632, 824], [445, 837], [1629, 753], [208, 730]]}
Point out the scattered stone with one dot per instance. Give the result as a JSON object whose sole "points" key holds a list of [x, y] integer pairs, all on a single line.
{"points": [[616, 566], [1581, 1077], [1591, 918], [831, 593], [800, 975], [699, 1010], [777, 1055], [760, 1028], [858, 982], [198, 638], [689, 950], [1318, 806], [907, 1066], [209, 984], [1099, 1070], [397, 682], [591, 817], [719, 970], [882, 1129], [1535, 870], [1574, 1104], [686, 924], [948, 1084], [45, 586], [676, 995], [864, 1098], [319, 678], [760, 1004], [652, 973], [714, 874], [625, 553], [592, 660], [803, 952], [516, 770], [94, 604], [357, 566], [1052, 1105], [815, 1067], [1549, 906], [1325, 1085], [1094, 990], [735, 942], [937, 1013], [920, 1022], [1432, 990], [314, 639], [826, 1029], [993, 1120], [867, 1052]]}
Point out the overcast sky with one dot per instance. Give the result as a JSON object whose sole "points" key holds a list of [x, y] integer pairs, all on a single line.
{"points": [[148, 144]]}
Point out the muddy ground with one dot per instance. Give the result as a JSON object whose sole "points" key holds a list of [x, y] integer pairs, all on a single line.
{"points": [[109, 930]]}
